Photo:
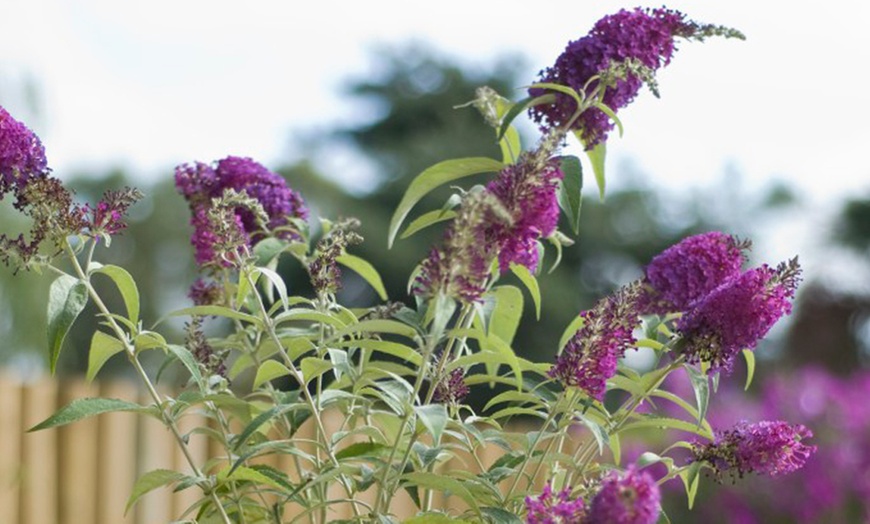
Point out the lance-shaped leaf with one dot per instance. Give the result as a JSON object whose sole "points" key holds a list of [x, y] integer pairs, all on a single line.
{"points": [[67, 297], [83, 408], [436, 176], [127, 287], [367, 271], [570, 190]]}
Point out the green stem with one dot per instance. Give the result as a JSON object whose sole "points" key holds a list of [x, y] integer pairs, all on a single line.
{"points": [[130, 351]]}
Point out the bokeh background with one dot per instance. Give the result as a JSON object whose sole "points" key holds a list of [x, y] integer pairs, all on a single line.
{"points": [[764, 139]]}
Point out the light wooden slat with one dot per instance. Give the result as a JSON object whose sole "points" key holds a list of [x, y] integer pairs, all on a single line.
{"points": [[198, 448], [156, 450], [39, 456], [10, 447], [79, 457], [116, 469]]}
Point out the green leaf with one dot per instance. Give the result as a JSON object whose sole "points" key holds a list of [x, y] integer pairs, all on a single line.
{"points": [[616, 448], [690, 478], [251, 475], [598, 431], [103, 346], [434, 518], [276, 281], [750, 367], [187, 359], [500, 516], [436, 176], [506, 316], [611, 115], [571, 330], [367, 271], [668, 423], [270, 369], [442, 483], [67, 297], [378, 325], [510, 146], [387, 347], [570, 189], [531, 283], [361, 449], [218, 311], [427, 219], [596, 156], [127, 288], [434, 417], [151, 481], [560, 88], [83, 408], [313, 367], [267, 249], [701, 386], [521, 106]]}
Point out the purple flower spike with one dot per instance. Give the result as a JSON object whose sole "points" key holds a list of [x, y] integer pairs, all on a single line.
{"points": [[632, 497], [645, 36], [737, 314], [21, 153], [768, 448], [528, 193], [590, 357], [687, 271], [452, 389], [548, 508]]}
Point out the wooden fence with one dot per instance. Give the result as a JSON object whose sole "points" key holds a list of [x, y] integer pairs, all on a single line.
{"points": [[83, 473]]}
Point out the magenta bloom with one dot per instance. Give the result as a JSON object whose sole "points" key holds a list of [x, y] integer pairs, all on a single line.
{"points": [[769, 448], [591, 356], [21, 153], [199, 183], [644, 35], [689, 270], [528, 193], [737, 314], [632, 497], [548, 508]]}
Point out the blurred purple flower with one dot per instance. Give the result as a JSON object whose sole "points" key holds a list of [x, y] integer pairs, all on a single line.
{"points": [[631, 497], [452, 389], [548, 508]]}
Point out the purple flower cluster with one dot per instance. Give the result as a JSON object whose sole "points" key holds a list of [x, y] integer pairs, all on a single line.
{"points": [[200, 183], [528, 193], [769, 448], [21, 154], [643, 35], [107, 217], [725, 309], [631, 497], [550, 508], [737, 314], [685, 272], [591, 356]]}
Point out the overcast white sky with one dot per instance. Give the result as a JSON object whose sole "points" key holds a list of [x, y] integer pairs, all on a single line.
{"points": [[148, 85]]}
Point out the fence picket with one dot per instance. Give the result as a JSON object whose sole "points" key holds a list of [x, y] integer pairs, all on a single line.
{"points": [[10, 448], [39, 456]]}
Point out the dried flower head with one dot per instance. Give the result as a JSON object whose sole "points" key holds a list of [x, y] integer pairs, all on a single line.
{"points": [[451, 389], [591, 356], [685, 272], [768, 447], [550, 508], [737, 314], [324, 270], [631, 497], [212, 361], [204, 293]]}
